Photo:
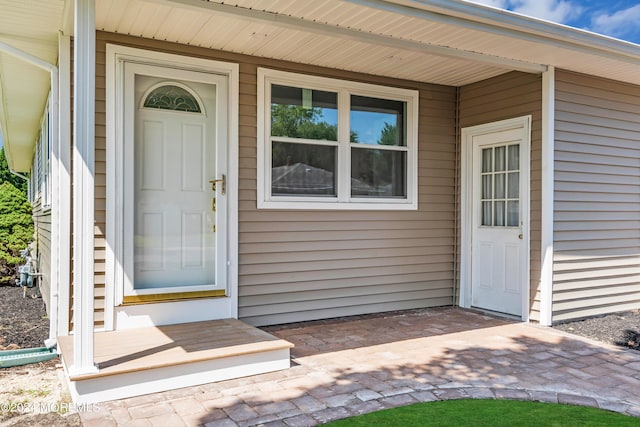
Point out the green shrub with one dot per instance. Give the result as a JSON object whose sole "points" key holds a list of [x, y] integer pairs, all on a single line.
{"points": [[7, 176], [16, 230]]}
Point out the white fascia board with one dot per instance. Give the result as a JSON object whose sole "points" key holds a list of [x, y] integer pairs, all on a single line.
{"points": [[311, 26], [511, 24]]}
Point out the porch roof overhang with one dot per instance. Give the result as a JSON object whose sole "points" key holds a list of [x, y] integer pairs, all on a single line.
{"points": [[28, 46], [449, 42]]}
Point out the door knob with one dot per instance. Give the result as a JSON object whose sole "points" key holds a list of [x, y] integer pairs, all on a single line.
{"points": [[520, 236], [223, 183]]}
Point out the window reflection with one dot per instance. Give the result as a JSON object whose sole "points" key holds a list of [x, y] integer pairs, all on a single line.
{"points": [[303, 169], [378, 173], [304, 113], [377, 121]]}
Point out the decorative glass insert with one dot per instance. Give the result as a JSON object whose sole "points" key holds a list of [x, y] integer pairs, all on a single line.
{"points": [[172, 97], [500, 186]]}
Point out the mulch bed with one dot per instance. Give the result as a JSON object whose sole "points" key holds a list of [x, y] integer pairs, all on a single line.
{"points": [[621, 329], [23, 321], [24, 324]]}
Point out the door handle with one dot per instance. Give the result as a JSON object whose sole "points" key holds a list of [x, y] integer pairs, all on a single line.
{"points": [[520, 236], [223, 183]]}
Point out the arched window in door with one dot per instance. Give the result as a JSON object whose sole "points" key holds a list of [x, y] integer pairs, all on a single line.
{"points": [[172, 96]]}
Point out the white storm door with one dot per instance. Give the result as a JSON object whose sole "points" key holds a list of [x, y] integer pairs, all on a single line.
{"points": [[499, 211], [175, 222]]}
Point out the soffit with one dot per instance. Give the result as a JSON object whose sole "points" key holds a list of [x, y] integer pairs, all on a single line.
{"points": [[416, 23], [187, 23], [32, 27]]}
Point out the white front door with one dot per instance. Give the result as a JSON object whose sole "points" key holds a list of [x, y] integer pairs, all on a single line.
{"points": [[174, 152], [498, 177]]}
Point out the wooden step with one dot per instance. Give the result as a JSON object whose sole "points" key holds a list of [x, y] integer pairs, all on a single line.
{"points": [[132, 362]]}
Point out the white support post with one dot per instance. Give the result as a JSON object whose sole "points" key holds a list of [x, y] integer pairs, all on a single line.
{"points": [[83, 188], [546, 221], [61, 178], [54, 128]]}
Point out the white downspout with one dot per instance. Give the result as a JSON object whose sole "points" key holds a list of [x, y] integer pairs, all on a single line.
{"points": [[83, 188], [19, 175], [53, 123], [546, 221]]}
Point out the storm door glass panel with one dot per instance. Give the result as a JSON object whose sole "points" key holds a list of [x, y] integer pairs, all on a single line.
{"points": [[500, 186], [174, 156]]}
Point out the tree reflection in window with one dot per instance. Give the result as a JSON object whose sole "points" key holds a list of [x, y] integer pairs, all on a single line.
{"points": [[171, 97]]}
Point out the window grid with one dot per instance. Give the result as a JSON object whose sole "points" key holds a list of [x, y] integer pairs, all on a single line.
{"points": [[500, 186], [397, 161]]}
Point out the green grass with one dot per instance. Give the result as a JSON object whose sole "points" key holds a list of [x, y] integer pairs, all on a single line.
{"points": [[490, 413]]}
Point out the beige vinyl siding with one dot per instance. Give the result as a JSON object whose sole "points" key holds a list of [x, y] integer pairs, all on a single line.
{"points": [[42, 249], [100, 188], [100, 193], [513, 95], [597, 197], [303, 265]]}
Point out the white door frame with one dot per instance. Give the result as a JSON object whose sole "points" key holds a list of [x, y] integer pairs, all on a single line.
{"points": [[467, 205], [116, 316]]}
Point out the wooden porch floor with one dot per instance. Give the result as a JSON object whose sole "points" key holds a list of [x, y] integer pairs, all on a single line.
{"points": [[135, 350]]}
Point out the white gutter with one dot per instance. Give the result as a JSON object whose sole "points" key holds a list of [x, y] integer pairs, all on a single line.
{"points": [[27, 57], [19, 175], [54, 126]]}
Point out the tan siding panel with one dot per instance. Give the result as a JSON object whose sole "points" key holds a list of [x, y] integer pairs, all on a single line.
{"points": [[42, 253], [403, 259], [504, 97], [597, 208]]}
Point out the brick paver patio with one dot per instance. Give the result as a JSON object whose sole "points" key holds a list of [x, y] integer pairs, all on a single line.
{"points": [[352, 366]]}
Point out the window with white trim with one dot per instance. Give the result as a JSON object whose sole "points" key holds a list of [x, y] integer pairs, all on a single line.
{"points": [[40, 179], [332, 144]]}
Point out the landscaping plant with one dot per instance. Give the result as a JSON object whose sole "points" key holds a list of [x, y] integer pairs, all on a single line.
{"points": [[16, 230]]}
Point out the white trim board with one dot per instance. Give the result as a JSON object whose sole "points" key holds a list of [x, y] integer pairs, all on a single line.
{"points": [[546, 217], [138, 383], [117, 56], [466, 205]]}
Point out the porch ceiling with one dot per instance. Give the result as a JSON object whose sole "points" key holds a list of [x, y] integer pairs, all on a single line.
{"points": [[449, 42], [30, 26], [445, 42], [331, 33]]}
